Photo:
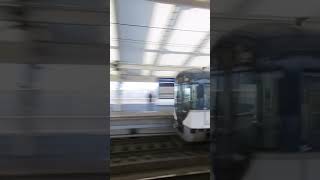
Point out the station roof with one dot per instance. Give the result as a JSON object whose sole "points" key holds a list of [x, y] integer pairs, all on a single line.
{"points": [[232, 14], [159, 38]]}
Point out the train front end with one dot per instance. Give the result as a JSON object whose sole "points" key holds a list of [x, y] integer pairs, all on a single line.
{"points": [[192, 105]]}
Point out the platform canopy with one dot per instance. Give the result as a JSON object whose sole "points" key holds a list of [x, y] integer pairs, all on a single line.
{"points": [[158, 38]]}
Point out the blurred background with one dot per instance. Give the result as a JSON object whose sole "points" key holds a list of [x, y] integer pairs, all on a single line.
{"points": [[53, 100]]}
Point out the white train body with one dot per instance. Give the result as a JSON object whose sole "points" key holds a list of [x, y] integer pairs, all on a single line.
{"points": [[192, 105]]}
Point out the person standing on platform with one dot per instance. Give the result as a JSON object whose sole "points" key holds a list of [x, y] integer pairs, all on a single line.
{"points": [[150, 99]]}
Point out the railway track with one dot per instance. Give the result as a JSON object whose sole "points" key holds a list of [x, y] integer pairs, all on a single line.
{"points": [[157, 157]]}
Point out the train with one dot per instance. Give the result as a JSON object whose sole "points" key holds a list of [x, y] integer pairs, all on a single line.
{"points": [[192, 105], [265, 96]]}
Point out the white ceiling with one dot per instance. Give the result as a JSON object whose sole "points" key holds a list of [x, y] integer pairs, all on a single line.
{"points": [[145, 32]]}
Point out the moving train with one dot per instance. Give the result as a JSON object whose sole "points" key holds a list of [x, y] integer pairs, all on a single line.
{"points": [[192, 105], [265, 98]]}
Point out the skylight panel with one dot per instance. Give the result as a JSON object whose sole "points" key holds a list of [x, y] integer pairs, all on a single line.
{"points": [[149, 57], [172, 59], [186, 39], [200, 61], [160, 19], [196, 19]]}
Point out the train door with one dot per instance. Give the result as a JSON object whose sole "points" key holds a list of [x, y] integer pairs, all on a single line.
{"points": [[234, 113], [234, 107], [244, 108], [268, 109], [311, 111]]}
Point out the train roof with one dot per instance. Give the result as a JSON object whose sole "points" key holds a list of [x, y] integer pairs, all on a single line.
{"points": [[272, 40], [193, 75]]}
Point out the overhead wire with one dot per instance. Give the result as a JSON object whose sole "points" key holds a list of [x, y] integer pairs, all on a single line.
{"points": [[143, 42], [154, 27]]}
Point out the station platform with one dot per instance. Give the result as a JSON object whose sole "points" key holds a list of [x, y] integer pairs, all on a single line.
{"points": [[119, 114], [143, 108]]}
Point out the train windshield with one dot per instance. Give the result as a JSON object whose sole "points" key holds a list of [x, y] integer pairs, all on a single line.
{"points": [[192, 96]]}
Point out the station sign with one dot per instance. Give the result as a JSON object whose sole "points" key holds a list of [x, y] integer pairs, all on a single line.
{"points": [[166, 82]]}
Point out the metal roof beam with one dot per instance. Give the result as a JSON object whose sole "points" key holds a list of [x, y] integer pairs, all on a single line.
{"points": [[134, 78], [168, 51], [193, 3], [151, 67]]}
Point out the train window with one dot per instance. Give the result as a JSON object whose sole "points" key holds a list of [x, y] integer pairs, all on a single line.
{"points": [[177, 93], [216, 96], [186, 93], [200, 96], [183, 97], [200, 90], [195, 97], [244, 93], [207, 96]]}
